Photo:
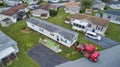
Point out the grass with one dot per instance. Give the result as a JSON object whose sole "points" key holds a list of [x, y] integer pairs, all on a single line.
{"points": [[25, 42], [113, 32]]}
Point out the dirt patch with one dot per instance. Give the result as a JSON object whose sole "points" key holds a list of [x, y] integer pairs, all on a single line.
{"points": [[26, 30]]}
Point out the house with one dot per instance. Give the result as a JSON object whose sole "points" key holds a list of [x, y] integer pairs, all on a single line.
{"points": [[107, 58], [98, 5], [6, 22], [13, 2], [57, 33], [114, 4], [72, 7], [21, 15], [8, 49], [53, 7], [43, 10], [82, 22], [88, 11], [31, 1], [112, 15], [98, 14], [54, 1], [12, 12]]}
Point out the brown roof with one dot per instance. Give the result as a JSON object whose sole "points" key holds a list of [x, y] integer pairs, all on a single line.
{"points": [[14, 9], [52, 7], [43, 6], [76, 4], [93, 19]]}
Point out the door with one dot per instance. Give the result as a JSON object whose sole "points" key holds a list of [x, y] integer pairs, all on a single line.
{"points": [[57, 38]]}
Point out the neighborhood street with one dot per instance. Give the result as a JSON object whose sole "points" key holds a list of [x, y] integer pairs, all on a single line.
{"points": [[105, 42], [45, 57]]}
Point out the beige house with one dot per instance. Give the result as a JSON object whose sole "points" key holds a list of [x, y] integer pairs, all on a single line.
{"points": [[86, 22], [72, 7], [41, 11]]}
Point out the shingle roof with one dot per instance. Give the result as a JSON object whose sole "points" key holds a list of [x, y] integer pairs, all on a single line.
{"points": [[43, 6], [75, 4], [5, 40], [14, 9], [113, 12], [108, 58], [93, 19], [67, 34]]}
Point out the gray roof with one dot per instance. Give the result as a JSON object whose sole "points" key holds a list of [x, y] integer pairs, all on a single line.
{"points": [[5, 40], [67, 34], [113, 12], [108, 58], [113, 2]]}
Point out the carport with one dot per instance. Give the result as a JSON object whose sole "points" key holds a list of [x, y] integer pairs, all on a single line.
{"points": [[108, 58]]}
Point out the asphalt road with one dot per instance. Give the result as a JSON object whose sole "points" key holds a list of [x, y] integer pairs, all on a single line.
{"points": [[105, 42], [45, 57]]}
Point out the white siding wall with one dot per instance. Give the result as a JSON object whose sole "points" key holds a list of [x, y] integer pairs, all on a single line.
{"points": [[5, 16], [93, 26], [47, 33]]}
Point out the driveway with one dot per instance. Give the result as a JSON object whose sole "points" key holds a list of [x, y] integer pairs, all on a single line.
{"points": [[45, 57], [105, 42]]}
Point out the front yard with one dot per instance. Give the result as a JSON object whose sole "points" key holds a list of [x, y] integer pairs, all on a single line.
{"points": [[28, 40]]}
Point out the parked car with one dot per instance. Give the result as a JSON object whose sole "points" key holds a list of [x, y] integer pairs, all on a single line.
{"points": [[93, 35]]}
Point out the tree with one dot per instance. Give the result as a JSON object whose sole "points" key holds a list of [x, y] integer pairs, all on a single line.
{"points": [[53, 13]]}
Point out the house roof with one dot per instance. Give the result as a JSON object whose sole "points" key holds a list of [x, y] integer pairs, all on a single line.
{"points": [[75, 4], [53, 7], [5, 41], [92, 19], [14, 9], [113, 12], [108, 58], [43, 6], [113, 2], [67, 34]]}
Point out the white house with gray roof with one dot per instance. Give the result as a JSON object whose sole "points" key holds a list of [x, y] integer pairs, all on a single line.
{"points": [[112, 15], [8, 48], [59, 34], [114, 4]]}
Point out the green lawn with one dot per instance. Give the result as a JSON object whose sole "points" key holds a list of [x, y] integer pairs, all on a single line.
{"points": [[25, 42], [113, 32], [28, 40]]}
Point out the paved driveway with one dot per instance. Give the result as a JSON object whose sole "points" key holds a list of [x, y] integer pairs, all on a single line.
{"points": [[45, 57], [105, 42]]}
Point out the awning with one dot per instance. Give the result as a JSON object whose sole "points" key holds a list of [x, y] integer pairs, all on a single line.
{"points": [[6, 52]]}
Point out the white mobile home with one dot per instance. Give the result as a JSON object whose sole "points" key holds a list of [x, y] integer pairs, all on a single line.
{"points": [[59, 34], [8, 49]]}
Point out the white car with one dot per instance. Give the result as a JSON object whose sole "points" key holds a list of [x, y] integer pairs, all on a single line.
{"points": [[93, 35]]}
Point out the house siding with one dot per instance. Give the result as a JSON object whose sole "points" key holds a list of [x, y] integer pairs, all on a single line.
{"points": [[112, 18], [13, 19], [91, 28], [48, 34]]}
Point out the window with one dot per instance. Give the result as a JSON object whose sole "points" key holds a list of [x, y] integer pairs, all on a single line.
{"points": [[32, 25], [118, 18], [89, 25], [65, 41], [79, 26], [108, 16], [51, 34], [74, 24], [98, 27], [41, 29], [83, 27]]}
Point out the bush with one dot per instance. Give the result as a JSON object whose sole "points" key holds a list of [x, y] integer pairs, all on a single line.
{"points": [[53, 13], [1, 4]]}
